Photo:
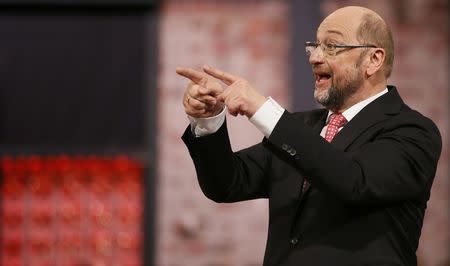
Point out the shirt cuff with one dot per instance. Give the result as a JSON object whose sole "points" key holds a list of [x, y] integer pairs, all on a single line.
{"points": [[206, 126], [267, 116]]}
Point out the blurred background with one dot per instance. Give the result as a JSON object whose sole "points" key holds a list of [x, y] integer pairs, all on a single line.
{"points": [[93, 168]]}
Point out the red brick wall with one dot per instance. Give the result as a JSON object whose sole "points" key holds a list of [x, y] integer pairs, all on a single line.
{"points": [[245, 38], [251, 38]]}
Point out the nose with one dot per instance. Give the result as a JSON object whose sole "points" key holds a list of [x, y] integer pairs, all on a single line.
{"points": [[316, 57]]}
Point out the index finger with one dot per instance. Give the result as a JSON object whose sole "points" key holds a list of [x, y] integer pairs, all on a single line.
{"points": [[194, 75], [227, 78]]}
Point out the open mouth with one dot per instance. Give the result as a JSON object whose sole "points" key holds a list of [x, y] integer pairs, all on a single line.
{"points": [[322, 79], [322, 76]]}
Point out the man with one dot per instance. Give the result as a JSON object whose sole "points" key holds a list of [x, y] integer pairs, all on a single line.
{"points": [[348, 184]]}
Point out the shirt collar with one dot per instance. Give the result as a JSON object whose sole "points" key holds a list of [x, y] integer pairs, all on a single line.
{"points": [[356, 108]]}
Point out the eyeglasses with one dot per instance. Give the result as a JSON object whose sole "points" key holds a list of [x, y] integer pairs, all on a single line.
{"points": [[332, 49]]}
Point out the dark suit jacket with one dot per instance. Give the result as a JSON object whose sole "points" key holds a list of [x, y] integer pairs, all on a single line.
{"points": [[369, 186]]}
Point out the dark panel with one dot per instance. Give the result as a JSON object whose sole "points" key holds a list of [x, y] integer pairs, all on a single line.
{"points": [[80, 2], [306, 18], [151, 95], [81, 81], [73, 80]]}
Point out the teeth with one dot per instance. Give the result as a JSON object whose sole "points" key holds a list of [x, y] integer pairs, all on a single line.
{"points": [[322, 77]]}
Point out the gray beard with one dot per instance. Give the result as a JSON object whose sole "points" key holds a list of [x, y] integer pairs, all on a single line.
{"points": [[338, 96]]}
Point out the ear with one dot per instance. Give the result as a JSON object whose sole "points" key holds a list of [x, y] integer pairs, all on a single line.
{"points": [[376, 61]]}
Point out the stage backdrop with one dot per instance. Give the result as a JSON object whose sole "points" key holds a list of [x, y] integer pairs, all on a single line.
{"points": [[75, 80], [247, 38]]}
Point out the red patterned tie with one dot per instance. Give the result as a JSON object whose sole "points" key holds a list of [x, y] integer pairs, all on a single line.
{"points": [[337, 120]]}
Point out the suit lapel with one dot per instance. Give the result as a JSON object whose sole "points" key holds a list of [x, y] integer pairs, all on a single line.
{"points": [[317, 120], [375, 112]]}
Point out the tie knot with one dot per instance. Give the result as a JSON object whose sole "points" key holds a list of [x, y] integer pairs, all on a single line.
{"points": [[337, 119]]}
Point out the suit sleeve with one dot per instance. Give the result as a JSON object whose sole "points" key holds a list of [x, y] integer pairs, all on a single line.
{"points": [[225, 176], [398, 165]]}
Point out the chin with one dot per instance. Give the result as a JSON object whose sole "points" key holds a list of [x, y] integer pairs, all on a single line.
{"points": [[321, 95]]}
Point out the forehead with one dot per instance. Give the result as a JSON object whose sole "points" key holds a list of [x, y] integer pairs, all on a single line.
{"points": [[338, 27]]}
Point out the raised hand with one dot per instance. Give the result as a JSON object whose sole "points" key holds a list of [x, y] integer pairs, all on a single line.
{"points": [[199, 99], [240, 97]]}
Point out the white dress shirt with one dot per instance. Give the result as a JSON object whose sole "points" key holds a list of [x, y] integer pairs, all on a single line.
{"points": [[267, 116]]}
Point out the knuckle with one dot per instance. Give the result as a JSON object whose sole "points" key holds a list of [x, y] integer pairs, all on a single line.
{"points": [[194, 88], [203, 90], [198, 105]]}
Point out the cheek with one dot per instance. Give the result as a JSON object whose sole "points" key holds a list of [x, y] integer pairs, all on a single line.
{"points": [[343, 75]]}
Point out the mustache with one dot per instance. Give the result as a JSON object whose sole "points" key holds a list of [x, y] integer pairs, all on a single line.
{"points": [[321, 69]]}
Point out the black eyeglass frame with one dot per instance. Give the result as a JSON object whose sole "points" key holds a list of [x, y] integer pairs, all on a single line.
{"points": [[334, 46]]}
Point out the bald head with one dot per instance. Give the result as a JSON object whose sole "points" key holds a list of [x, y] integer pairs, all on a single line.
{"points": [[350, 12], [367, 27], [349, 16]]}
